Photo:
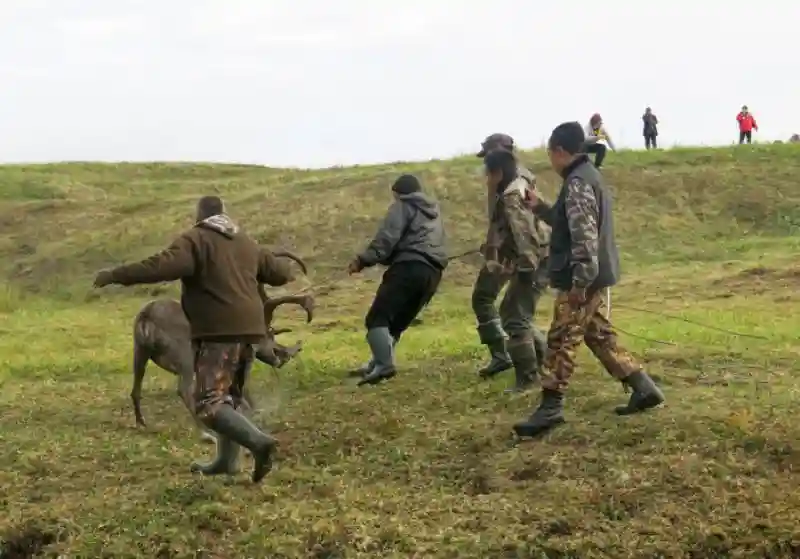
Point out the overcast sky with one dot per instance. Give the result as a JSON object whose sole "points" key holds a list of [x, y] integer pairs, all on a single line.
{"points": [[324, 82]]}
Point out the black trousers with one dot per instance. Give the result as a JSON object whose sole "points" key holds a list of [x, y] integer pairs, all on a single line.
{"points": [[600, 153], [406, 288], [746, 135], [650, 141]]}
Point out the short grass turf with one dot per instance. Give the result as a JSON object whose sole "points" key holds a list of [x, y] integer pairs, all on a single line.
{"points": [[423, 465]]}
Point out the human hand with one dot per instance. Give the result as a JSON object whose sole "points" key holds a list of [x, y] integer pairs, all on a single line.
{"points": [[354, 266], [531, 199], [577, 297], [494, 267]]}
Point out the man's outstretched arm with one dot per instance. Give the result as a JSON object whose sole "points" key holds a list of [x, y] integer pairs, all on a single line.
{"points": [[173, 263]]}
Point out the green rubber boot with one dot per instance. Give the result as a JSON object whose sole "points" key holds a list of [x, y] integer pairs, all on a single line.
{"points": [[526, 364], [234, 426], [226, 462], [645, 395]]}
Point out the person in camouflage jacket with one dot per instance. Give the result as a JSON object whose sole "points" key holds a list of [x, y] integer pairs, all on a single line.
{"points": [[514, 250]]}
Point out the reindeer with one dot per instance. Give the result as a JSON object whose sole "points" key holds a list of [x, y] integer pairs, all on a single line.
{"points": [[161, 334]]}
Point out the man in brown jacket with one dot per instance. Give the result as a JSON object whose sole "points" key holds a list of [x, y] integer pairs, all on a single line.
{"points": [[221, 270]]}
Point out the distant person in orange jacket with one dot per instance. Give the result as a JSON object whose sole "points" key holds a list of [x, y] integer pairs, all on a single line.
{"points": [[747, 123]]}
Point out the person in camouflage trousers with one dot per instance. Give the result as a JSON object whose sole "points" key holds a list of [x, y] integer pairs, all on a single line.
{"points": [[584, 261], [514, 321], [221, 270]]}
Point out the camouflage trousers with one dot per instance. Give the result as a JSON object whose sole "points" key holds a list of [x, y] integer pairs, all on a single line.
{"points": [[569, 328], [220, 371]]}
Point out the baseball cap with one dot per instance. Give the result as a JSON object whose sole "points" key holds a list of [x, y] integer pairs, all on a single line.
{"points": [[494, 141]]}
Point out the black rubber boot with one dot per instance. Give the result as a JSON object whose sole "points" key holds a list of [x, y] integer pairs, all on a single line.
{"points": [[226, 461], [500, 361], [491, 335], [526, 365], [232, 425], [382, 345], [645, 394], [548, 415]]}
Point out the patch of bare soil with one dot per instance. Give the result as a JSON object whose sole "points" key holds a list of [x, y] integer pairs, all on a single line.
{"points": [[757, 281], [26, 543]]}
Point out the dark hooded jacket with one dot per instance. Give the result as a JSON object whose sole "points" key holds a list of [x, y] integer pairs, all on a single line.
{"points": [[220, 269], [411, 231]]}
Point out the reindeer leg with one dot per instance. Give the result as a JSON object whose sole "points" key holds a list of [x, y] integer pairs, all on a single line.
{"points": [[181, 362], [140, 358], [186, 393], [247, 396]]}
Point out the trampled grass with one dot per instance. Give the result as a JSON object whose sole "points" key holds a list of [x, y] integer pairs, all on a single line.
{"points": [[424, 465]]}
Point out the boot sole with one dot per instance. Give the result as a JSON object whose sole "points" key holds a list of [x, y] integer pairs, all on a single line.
{"points": [[527, 431], [377, 379], [649, 402], [199, 469], [484, 374]]}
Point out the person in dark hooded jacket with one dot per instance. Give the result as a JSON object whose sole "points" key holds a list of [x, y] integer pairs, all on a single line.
{"points": [[411, 243], [221, 270]]}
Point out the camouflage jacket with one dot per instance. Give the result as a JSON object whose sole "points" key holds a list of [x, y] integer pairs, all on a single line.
{"points": [[542, 228], [514, 236]]}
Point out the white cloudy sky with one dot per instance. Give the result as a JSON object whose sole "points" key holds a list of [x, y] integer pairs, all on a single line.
{"points": [[324, 82]]}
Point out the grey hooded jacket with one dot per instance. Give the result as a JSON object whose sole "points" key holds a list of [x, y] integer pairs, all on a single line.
{"points": [[411, 231]]}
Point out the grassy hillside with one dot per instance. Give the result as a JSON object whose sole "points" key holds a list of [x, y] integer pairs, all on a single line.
{"points": [[422, 466]]}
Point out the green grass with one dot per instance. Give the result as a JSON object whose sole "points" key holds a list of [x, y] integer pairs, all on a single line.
{"points": [[424, 465]]}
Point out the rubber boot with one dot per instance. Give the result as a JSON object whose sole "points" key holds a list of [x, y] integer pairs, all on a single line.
{"points": [[226, 461], [491, 335], [363, 370], [232, 425], [500, 361], [548, 415], [381, 344], [526, 365], [367, 367], [645, 394]]}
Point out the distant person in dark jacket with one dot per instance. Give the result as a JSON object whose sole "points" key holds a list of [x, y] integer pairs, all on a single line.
{"points": [[411, 242], [584, 261], [650, 131], [221, 270]]}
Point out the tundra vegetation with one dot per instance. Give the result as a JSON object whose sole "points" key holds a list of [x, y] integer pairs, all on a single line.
{"points": [[423, 465]]}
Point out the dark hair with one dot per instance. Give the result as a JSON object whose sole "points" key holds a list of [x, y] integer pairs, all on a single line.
{"points": [[501, 160], [568, 136], [208, 206]]}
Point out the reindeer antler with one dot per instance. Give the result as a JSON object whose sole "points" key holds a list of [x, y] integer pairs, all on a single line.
{"points": [[306, 301], [293, 256]]}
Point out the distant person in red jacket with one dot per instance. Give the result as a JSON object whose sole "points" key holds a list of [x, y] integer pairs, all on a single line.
{"points": [[747, 123]]}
